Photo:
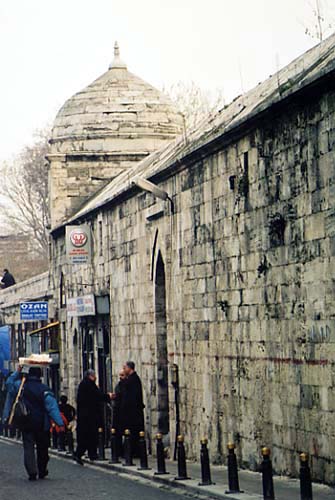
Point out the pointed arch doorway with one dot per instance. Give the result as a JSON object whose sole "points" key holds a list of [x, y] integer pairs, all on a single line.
{"points": [[163, 421]]}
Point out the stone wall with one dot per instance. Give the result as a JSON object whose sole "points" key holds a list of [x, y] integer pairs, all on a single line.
{"points": [[248, 259]]}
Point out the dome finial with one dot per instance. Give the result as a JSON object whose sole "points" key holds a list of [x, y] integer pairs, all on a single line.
{"points": [[117, 62]]}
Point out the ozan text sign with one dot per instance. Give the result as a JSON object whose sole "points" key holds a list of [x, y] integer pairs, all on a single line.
{"points": [[78, 244], [34, 311]]}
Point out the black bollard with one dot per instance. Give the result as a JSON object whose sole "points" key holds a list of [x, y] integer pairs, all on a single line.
{"points": [[142, 445], [128, 453], [181, 456], [267, 479], [161, 469], [114, 448], [233, 482], [54, 438], [101, 444], [206, 479], [12, 432], [6, 431], [61, 441], [306, 492], [18, 434]]}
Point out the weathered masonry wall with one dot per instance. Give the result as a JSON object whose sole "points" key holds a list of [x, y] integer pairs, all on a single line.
{"points": [[249, 263]]}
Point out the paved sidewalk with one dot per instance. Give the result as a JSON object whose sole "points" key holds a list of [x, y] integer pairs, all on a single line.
{"points": [[250, 482]]}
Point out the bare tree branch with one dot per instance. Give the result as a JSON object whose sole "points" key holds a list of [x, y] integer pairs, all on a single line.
{"points": [[194, 103], [25, 192], [320, 21]]}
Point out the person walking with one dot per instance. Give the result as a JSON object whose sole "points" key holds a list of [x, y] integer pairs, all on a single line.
{"points": [[89, 416], [131, 410], [42, 407]]}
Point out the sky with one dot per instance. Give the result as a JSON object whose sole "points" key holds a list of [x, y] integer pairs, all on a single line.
{"points": [[51, 49]]}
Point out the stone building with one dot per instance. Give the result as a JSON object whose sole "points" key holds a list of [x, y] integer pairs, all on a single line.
{"points": [[27, 337], [224, 287], [103, 130]]}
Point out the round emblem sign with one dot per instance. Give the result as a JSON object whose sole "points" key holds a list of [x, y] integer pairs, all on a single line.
{"points": [[78, 237]]}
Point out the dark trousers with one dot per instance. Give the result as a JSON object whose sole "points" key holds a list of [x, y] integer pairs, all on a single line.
{"points": [[42, 440], [87, 439]]}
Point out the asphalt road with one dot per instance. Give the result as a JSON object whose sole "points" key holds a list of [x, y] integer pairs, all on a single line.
{"points": [[67, 480]]}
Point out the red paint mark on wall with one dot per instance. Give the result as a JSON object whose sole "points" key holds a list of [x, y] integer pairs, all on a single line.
{"points": [[269, 359]]}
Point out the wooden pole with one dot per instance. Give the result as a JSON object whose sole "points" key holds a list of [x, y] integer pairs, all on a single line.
{"points": [[10, 421]]}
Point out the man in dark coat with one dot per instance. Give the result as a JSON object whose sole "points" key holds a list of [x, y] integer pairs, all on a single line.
{"points": [[7, 279], [131, 411], [89, 416], [117, 397]]}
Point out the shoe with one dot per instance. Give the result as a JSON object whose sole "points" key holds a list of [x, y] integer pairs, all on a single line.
{"points": [[32, 477], [43, 474], [95, 457], [77, 459]]}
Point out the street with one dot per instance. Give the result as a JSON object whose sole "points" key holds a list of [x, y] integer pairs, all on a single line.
{"points": [[69, 480]]}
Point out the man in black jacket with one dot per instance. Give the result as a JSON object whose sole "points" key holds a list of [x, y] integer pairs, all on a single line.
{"points": [[7, 279], [117, 397], [131, 411], [89, 416]]}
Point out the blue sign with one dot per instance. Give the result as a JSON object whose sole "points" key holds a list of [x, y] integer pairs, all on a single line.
{"points": [[4, 349], [34, 311]]}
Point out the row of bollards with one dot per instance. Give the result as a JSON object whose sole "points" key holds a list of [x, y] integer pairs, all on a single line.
{"points": [[206, 479], [306, 492]]}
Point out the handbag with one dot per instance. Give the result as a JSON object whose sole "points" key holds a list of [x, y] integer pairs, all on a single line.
{"points": [[20, 415]]}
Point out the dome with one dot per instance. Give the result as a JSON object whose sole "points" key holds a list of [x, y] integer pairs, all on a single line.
{"points": [[118, 112]]}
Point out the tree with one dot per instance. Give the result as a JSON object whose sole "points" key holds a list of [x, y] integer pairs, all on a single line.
{"points": [[321, 22], [24, 191], [194, 103]]}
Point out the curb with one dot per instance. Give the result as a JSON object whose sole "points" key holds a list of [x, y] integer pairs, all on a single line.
{"points": [[191, 486]]}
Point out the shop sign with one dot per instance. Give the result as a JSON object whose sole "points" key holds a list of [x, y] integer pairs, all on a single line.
{"points": [[34, 311], [78, 244], [81, 306]]}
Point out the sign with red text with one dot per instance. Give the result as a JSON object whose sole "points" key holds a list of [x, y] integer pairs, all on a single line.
{"points": [[78, 244]]}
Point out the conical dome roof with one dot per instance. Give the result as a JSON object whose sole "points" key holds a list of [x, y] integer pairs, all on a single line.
{"points": [[118, 112]]}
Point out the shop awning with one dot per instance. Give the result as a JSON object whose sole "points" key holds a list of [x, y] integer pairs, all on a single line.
{"points": [[43, 328]]}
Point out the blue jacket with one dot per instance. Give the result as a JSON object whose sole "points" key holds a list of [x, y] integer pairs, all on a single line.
{"points": [[33, 386]]}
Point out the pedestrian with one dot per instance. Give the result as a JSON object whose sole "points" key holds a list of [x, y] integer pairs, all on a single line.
{"points": [[116, 410], [7, 279], [89, 416], [66, 409], [68, 414], [131, 410], [42, 407]]}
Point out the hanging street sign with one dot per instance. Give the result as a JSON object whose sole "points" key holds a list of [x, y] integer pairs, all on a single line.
{"points": [[78, 244], [34, 311]]}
